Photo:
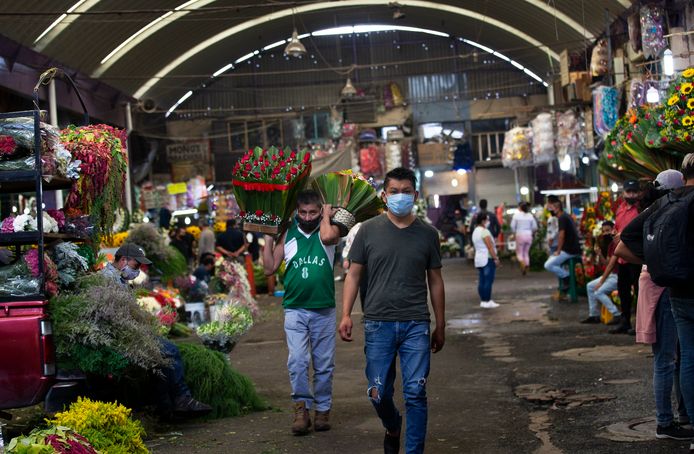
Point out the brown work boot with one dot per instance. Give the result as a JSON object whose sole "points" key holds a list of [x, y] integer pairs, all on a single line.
{"points": [[321, 421], [302, 421]]}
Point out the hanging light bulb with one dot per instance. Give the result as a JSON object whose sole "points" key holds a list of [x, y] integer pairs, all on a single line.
{"points": [[615, 187], [348, 90], [652, 96], [565, 163], [668, 63], [295, 48]]}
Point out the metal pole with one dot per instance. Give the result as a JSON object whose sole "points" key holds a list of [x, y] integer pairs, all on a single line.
{"points": [[128, 181], [53, 113]]}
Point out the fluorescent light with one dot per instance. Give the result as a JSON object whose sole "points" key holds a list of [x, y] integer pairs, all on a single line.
{"points": [[305, 35], [178, 103], [517, 65], [244, 58], [326, 5], [51, 27], [334, 31], [186, 96], [145, 32], [210, 187], [532, 74], [273, 45], [223, 69], [479, 46], [501, 56], [184, 212]]}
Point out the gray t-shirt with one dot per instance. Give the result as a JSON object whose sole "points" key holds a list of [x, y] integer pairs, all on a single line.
{"points": [[397, 261]]}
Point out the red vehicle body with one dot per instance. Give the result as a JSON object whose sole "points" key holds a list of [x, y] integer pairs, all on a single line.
{"points": [[27, 353]]}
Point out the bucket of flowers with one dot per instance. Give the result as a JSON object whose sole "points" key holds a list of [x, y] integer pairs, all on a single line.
{"points": [[233, 321], [266, 183], [162, 304], [354, 197]]}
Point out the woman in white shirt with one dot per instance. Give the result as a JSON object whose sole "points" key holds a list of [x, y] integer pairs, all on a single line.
{"points": [[524, 226], [486, 260]]}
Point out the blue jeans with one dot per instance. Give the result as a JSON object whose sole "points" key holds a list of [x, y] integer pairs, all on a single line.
{"points": [[664, 351], [486, 279], [311, 337], [602, 295], [683, 313], [554, 264], [383, 342], [175, 383]]}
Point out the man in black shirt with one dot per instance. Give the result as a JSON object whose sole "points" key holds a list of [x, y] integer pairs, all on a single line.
{"points": [[232, 243], [568, 246]]}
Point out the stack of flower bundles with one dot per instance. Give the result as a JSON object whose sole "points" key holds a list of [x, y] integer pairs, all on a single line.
{"points": [[266, 184], [354, 197]]}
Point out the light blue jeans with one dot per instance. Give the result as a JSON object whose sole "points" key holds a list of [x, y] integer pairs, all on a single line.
{"points": [[410, 340], [311, 338], [554, 264], [602, 295]]}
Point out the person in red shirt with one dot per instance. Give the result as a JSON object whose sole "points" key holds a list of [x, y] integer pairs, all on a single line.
{"points": [[627, 273]]}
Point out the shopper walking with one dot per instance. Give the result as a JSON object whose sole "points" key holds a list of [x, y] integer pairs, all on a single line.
{"points": [[308, 249], [486, 260], [403, 258], [568, 246], [207, 241], [628, 273], [524, 226]]}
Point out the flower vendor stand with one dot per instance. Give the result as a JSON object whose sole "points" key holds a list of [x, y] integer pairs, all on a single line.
{"points": [[266, 184]]}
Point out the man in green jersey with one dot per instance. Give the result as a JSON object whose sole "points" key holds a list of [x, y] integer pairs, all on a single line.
{"points": [[308, 249]]}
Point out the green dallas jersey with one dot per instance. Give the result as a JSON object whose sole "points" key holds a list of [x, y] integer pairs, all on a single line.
{"points": [[308, 280]]}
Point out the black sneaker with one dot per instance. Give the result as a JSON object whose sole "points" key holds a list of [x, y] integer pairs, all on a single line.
{"points": [[620, 329], [616, 321], [674, 431], [592, 320], [186, 405]]}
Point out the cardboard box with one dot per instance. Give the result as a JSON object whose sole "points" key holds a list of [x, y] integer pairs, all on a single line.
{"points": [[581, 81], [433, 154], [564, 67]]}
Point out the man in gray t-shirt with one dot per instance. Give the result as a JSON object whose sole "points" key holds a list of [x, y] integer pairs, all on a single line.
{"points": [[403, 259]]}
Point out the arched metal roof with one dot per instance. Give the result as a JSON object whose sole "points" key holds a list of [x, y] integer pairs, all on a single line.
{"points": [[167, 47]]}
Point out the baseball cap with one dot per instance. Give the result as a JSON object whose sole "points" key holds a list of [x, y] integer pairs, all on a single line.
{"points": [[669, 179], [630, 185], [134, 251]]}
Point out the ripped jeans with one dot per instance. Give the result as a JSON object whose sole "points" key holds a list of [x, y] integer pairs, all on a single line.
{"points": [[411, 341]]}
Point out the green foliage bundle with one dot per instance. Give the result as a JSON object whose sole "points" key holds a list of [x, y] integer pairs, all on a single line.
{"points": [[349, 191], [107, 426], [538, 255], [167, 262], [99, 328], [212, 380]]}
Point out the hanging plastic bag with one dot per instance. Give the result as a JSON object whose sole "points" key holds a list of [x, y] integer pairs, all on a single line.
{"points": [[543, 138], [393, 156], [335, 123], [516, 151], [398, 100], [567, 133], [636, 94], [606, 104], [598, 60], [652, 31]]}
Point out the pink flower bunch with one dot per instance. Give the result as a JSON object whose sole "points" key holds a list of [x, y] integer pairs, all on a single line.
{"points": [[7, 225], [59, 217], [7, 145], [32, 260]]}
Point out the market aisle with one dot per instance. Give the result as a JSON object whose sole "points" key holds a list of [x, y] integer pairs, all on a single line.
{"points": [[488, 354]]}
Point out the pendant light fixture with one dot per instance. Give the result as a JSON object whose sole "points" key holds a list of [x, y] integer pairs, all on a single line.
{"points": [[294, 48], [668, 63], [652, 95], [348, 90]]}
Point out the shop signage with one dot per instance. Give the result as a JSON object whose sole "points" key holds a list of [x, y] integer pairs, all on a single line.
{"points": [[188, 151], [176, 188]]}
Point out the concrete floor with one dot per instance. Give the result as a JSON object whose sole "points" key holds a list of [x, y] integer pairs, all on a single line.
{"points": [[472, 405]]}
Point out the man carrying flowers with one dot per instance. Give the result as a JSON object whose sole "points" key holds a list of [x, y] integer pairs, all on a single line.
{"points": [[308, 249]]}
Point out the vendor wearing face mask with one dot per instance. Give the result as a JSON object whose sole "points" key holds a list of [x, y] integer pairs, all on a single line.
{"points": [[126, 264], [627, 273]]}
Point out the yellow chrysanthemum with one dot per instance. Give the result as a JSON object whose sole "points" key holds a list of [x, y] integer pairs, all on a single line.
{"points": [[686, 88], [673, 100], [688, 73], [690, 103], [688, 121]]}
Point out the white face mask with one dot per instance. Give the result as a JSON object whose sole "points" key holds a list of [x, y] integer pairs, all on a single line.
{"points": [[128, 273]]}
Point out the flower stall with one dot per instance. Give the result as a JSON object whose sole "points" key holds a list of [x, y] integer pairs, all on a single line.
{"points": [[266, 183]]}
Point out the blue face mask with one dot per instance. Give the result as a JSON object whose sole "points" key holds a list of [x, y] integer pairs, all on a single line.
{"points": [[400, 204]]}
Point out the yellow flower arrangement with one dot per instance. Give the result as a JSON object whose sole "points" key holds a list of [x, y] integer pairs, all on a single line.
{"points": [[220, 226], [686, 88], [195, 231], [690, 104], [674, 99], [117, 239], [688, 73], [687, 121]]}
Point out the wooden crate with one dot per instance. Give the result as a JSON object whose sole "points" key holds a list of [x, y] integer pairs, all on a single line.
{"points": [[261, 228], [433, 154]]}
